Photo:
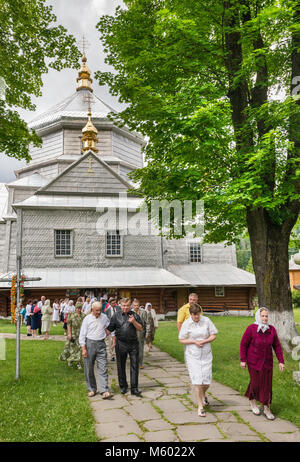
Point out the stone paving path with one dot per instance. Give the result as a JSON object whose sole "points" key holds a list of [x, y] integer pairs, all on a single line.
{"points": [[167, 412]]}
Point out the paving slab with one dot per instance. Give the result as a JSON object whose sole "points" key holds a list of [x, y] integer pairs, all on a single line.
{"points": [[160, 436], [236, 430], [171, 405], [110, 415], [189, 417], [198, 432], [283, 437], [142, 411], [225, 417], [157, 373], [117, 429], [153, 394], [122, 439], [275, 426], [177, 391], [154, 425]]}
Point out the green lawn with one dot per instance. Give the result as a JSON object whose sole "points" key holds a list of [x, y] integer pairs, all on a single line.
{"points": [[49, 403], [226, 363], [7, 327]]}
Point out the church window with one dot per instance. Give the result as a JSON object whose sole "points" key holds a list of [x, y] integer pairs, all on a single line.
{"points": [[63, 243], [195, 253], [113, 244]]}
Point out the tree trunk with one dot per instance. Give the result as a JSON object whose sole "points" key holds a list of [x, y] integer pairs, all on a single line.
{"points": [[269, 246]]}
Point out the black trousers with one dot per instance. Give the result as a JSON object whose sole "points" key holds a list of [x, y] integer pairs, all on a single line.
{"points": [[122, 351]]}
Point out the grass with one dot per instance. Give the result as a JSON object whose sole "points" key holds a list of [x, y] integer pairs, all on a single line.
{"points": [[49, 402], [7, 327], [226, 363]]}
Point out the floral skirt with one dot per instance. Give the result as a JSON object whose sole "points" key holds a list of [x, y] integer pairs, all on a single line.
{"points": [[260, 386]]}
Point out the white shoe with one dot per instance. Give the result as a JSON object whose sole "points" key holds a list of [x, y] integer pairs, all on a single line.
{"points": [[268, 414], [255, 409]]}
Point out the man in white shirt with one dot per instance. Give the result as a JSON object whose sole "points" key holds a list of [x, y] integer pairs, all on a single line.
{"points": [[92, 340]]}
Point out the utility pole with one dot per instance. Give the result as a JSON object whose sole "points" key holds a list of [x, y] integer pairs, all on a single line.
{"points": [[18, 287]]}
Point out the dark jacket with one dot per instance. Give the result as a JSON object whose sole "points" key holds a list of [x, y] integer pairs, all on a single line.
{"points": [[124, 330], [256, 347]]}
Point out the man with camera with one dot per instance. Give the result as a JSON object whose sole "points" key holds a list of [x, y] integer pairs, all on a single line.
{"points": [[125, 324]]}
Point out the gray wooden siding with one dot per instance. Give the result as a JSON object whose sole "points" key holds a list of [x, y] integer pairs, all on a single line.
{"points": [[124, 172], [178, 253], [79, 179], [72, 142], [127, 150], [50, 171], [2, 245], [21, 194], [88, 246], [52, 148], [12, 249]]}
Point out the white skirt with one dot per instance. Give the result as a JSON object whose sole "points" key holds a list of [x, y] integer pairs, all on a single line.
{"points": [[200, 366], [55, 316]]}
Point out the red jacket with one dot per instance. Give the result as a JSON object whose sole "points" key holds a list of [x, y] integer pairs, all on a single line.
{"points": [[256, 347]]}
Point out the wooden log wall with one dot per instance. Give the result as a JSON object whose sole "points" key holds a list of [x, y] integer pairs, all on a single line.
{"points": [[4, 305], [235, 298]]}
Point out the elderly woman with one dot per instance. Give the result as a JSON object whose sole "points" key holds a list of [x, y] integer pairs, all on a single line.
{"points": [[72, 350], [153, 324], [256, 351], [196, 334], [46, 319]]}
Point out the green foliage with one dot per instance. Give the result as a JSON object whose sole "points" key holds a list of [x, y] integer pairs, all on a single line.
{"points": [[296, 298], [30, 44], [214, 132], [243, 253]]}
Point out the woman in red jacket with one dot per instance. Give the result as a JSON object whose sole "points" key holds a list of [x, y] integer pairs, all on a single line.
{"points": [[256, 351]]}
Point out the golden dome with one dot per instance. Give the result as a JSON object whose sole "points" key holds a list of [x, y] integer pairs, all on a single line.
{"points": [[84, 80], [89, 136]]}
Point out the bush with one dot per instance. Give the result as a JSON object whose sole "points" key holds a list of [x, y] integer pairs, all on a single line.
{"points": [[296, 298]]}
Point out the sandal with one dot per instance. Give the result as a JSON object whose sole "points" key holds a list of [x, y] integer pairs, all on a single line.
{"points": [[201, 413], [106, 395], [206, 403], [91, 393], [268, 415], [255, 409]]}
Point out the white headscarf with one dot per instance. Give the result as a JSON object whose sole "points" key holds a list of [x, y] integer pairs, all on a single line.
{"points": [[258, 321], [148, 304]]}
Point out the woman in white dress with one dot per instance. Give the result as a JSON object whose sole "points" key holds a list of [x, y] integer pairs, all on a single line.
{"points": [[87, 306], [196, 334], [55, 316]]}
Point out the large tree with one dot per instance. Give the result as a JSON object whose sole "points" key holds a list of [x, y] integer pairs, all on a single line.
{"points": [[201, 78], [30, 43]]}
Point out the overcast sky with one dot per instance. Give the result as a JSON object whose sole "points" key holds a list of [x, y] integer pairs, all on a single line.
{"points": [[78, 17]]}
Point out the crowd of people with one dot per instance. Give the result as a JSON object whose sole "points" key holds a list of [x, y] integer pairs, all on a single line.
{"points": [[98, 331], [111, 330]]}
